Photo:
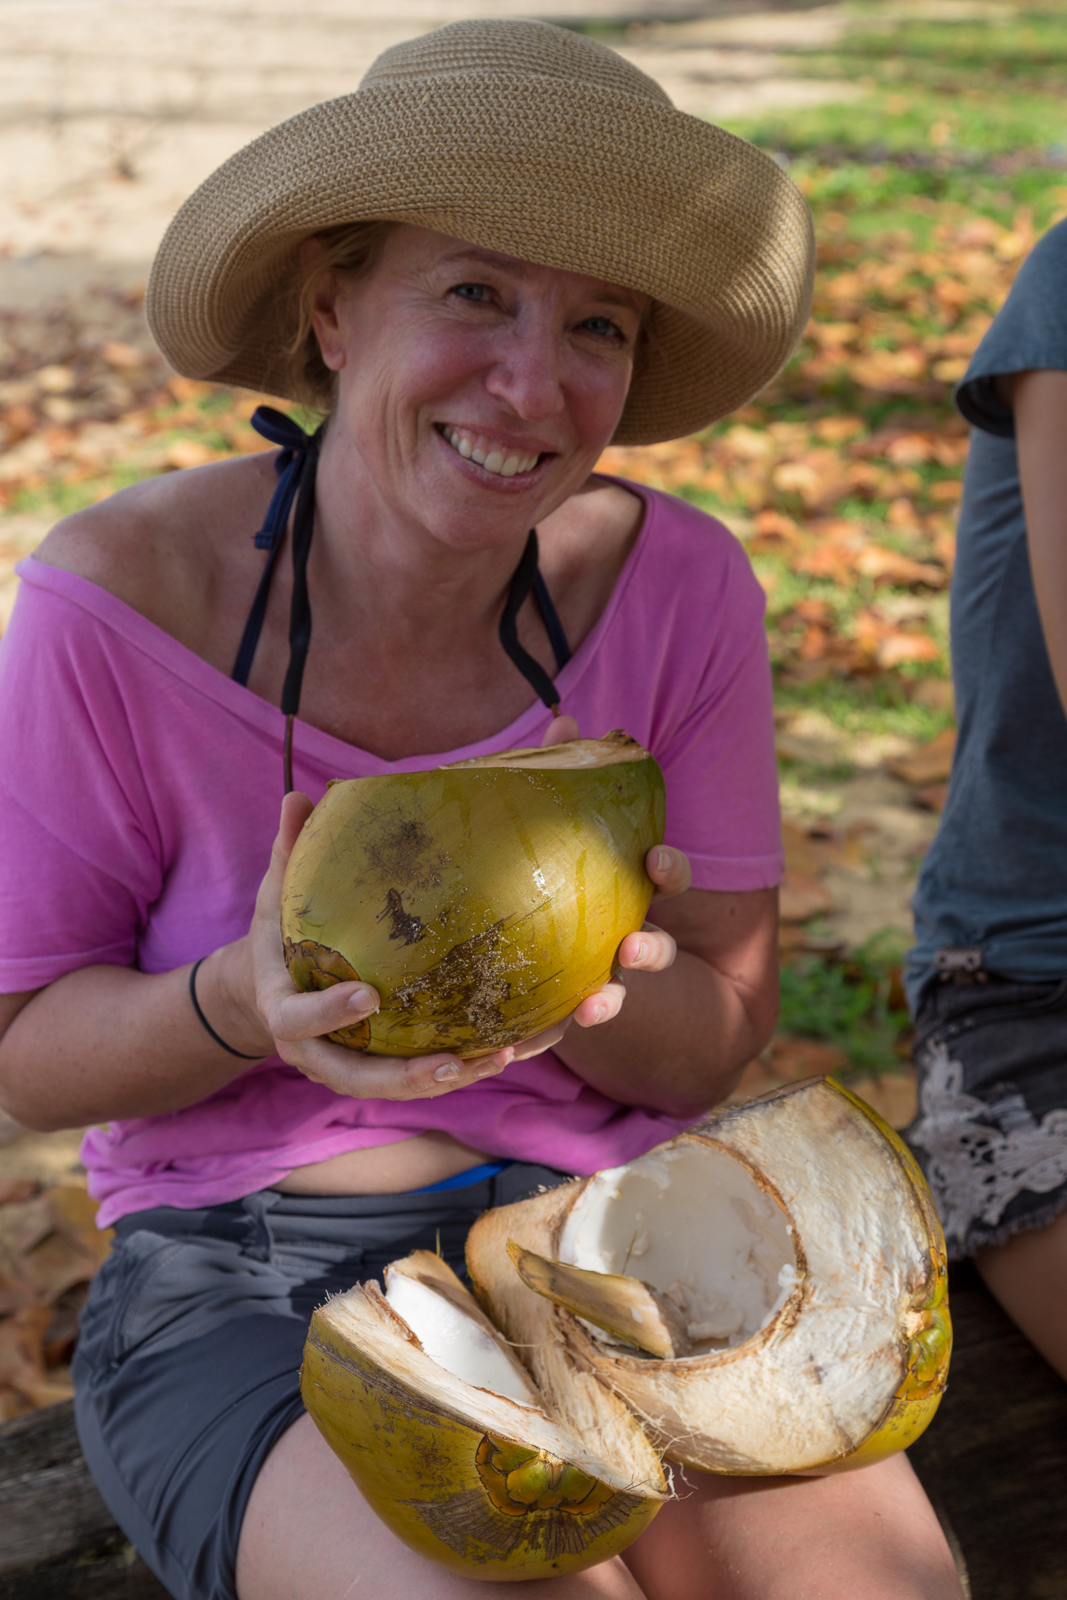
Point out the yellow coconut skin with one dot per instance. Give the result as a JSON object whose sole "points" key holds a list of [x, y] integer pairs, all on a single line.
{"points": [[912, 1408], [484, 1506], [483, 903]]}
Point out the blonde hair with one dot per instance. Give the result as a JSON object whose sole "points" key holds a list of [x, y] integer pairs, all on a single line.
{"points": [[352, 250]]}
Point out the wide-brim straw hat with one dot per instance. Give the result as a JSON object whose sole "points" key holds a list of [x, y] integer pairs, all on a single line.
{"points": [[531, 140]]}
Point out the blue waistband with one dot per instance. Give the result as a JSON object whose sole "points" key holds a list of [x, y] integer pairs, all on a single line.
{"points": [[461, 1179]]}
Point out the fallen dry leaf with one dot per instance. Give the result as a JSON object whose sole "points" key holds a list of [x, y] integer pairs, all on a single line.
{"points": [[73, 1213], [23, 1224], [889, 566], [801, 854], [910, 449], [790, 1059], [117, 353], [188, 453], [932, 797], [891, 1094], [801, 896], [936, 694], [50, 1249], [13, 1190], [22, 1368], [900, 646], [931, 763], [54, 1266], [14, 1294]]}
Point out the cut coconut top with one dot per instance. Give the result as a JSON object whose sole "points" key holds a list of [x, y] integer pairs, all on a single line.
{"points": [[575, 754], [693, 1222]]}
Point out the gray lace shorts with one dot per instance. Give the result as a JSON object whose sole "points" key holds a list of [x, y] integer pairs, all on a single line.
{"points": [[187, 1366], [991, 1133]]}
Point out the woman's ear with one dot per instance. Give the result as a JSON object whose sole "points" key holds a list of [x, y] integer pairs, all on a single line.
{"points": [[325, 295]]}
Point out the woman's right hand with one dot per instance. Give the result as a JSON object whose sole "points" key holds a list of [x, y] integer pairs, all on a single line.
{"points": [[295, 1023]]}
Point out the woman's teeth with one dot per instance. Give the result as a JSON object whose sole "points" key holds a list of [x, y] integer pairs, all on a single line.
{"points": [[488, 455]]}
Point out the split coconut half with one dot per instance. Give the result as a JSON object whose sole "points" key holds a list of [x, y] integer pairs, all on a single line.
{"points": [[767, 1292], [762, 1295], [483, 900], [454, 1445]]}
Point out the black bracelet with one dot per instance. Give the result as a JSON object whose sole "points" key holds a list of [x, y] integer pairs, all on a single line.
{"points": [[196, 1007]]}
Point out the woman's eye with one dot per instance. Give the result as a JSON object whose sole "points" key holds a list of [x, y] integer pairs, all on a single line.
{"points": [[477, 293], [603, 327]]}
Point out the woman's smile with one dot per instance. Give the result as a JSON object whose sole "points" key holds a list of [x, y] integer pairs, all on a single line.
{"points": [[488, 453]]}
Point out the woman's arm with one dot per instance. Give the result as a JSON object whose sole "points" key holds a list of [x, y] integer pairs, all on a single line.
{"points": [[109, 1042], [106, 1042], [1039, 400]]}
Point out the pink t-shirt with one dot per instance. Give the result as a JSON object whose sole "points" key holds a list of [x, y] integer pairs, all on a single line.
{"points": [[141, 789]]}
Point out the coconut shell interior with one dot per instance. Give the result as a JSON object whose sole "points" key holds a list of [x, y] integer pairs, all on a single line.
{"points": [[809, 1299]]}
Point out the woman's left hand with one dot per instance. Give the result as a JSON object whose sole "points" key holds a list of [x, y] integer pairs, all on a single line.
{"points": [[648, 950]]}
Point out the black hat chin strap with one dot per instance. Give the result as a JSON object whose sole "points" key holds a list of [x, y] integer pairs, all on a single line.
{"points": [[300, 605], [297, 468], [528, 577]]}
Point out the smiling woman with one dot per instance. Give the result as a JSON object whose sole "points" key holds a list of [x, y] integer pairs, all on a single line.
{"points": [[503, 251]]}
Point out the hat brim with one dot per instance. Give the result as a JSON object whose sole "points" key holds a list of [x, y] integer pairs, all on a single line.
{"points": [[578, 177]]}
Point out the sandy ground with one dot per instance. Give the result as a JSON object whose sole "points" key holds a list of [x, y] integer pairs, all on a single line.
{"points": [[112, 111]]}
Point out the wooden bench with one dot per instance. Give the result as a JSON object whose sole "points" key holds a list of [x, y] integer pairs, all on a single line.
{"points": [[994, 1462]]}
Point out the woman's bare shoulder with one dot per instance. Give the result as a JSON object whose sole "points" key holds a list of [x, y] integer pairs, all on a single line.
{"points": [[163, 546]]}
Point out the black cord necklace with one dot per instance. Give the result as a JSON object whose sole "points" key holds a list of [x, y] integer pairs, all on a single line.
{"points": [[297, 466]]}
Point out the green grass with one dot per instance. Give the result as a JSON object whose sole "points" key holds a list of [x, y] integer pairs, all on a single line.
{"points": [[967, 125], [856, 1003], [862, 706], [1027, 50], [943, 94], [877, 197]]}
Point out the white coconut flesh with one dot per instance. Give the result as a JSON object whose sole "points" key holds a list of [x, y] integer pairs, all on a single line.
{"points": [[456, 1341], [694, 1223], [608, 1447], [814, 1379]]}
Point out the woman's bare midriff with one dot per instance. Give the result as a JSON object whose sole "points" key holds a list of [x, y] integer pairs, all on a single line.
{"points": [[385, 1168]]}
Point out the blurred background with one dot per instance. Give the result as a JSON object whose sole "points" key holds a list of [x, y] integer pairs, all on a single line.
{"points": [[930, 138]]}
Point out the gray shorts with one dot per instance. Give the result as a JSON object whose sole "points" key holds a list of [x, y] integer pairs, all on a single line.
{"points": [[991, 1133], [187, 1366]]}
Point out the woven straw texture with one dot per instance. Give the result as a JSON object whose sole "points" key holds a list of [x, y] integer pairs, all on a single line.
{"points": [[524, 138]]}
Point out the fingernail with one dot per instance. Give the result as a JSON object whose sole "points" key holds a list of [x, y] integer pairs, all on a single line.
{"points": [[601, 1013], [363, 1000], [488, 1068], [664, 860], [447, 1069], [642, 951]]}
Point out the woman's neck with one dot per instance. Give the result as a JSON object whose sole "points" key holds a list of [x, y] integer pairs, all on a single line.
{"points": [[377, 566]]}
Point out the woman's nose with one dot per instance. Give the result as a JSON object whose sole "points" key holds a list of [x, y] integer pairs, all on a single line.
{"points": [[528, 374]]}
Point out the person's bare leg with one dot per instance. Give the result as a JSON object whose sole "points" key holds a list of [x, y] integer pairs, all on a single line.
{"points": [[1028, 1275], [866, 1535], [308, 1534]]}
